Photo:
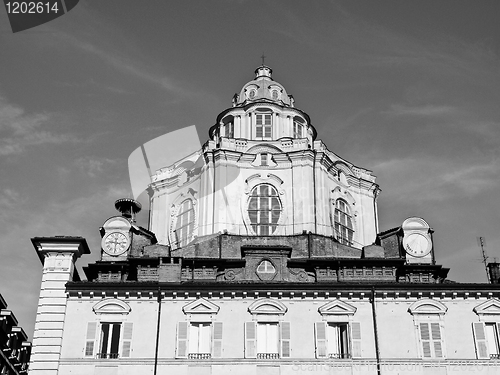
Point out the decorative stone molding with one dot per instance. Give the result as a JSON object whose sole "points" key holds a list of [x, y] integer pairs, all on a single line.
{"points": [[337, 307], [489, 310], [200, 306], [427, 307], [267, 306], [112, 306]]}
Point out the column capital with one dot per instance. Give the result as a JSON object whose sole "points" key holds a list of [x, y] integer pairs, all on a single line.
{"points": [[60, 244]]}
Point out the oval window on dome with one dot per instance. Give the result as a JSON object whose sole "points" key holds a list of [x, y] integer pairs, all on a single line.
{"points": [[275, 95], [264, 209], [252, 94]]}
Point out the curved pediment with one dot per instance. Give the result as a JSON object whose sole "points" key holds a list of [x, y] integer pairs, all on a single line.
{"points": [[491, 306], [200, 306], [111, 306], [337, 307], [264, 148], [427, 306], [267, 306]]}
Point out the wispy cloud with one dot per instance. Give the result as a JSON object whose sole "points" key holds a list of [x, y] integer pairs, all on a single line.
{"points": [[19, 129], [92, 166], [422, 110], [426, 179]]}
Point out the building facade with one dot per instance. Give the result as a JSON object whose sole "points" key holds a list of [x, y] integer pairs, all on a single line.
{"points": [[263, 256], [15, 350]]}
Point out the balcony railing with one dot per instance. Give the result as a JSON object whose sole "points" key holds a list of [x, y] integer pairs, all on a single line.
{"points": [[268, 356], [107, 355], [494, 356], [339, 355], [199, 356]]}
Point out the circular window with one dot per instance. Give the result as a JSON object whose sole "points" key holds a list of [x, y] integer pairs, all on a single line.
{"points": [[275, 94], [266, 270], [252, 94], [266, 267], [264, 209]]}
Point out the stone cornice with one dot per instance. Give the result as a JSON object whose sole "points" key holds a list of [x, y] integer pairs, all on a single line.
{"points": [[289, 291]]}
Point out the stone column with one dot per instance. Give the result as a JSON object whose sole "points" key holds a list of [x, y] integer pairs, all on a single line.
{"points": [[58, 256]]}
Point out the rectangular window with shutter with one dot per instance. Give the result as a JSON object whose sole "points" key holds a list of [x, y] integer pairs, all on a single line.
{"points": [[90, 339], [127, 340], [487, 340], [109, 341], [267, 340], [199, 340], [431, 340], [338, 340], [114, 340]]}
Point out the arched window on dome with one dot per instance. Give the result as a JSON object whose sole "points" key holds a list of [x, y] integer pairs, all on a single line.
{"points": [[344, 230], [264, 209], [185, 223], [264, 125], [298, 127]]}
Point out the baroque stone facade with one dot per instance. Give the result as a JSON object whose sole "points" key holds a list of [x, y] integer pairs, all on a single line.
{"points": [[263, 256]]}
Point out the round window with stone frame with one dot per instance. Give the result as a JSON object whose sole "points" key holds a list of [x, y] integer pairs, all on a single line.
{"points": [[266, 270], [252, 93], [275, 95]]}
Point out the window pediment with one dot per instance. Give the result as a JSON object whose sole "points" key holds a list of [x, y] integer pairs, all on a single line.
{"points": [[427, 307], [111, 306], [337, 308], [489, 307], [267, 306], [200, 306]]}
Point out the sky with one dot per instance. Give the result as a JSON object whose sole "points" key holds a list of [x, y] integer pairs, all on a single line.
{"points": [[407, 89]]}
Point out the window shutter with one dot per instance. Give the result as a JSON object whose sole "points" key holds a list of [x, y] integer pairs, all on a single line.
{"points": [[285, 339], [217, 340], [182, 339], [127, 339], [425, 340], [356, 339], [437, 340], [90, 339], [250, 340], [480, 340], [320, 335]]}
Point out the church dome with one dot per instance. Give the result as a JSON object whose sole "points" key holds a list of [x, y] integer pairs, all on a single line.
{"points": [[263, 87]]}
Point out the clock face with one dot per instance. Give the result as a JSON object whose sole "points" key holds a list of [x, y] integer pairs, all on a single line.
{"points": [[416, 244], [115, 243]]}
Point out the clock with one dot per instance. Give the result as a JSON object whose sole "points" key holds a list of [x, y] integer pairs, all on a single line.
{"points": [[115, 243], [417, 244]]}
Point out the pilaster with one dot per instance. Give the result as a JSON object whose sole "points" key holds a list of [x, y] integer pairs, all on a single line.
{"points": [[58, 256]]}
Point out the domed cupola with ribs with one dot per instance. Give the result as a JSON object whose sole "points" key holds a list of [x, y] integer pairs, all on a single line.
{"points": [[264, 87]]}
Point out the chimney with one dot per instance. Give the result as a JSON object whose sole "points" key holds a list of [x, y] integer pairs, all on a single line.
{"points": [[128, 208], [494, 272]]}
